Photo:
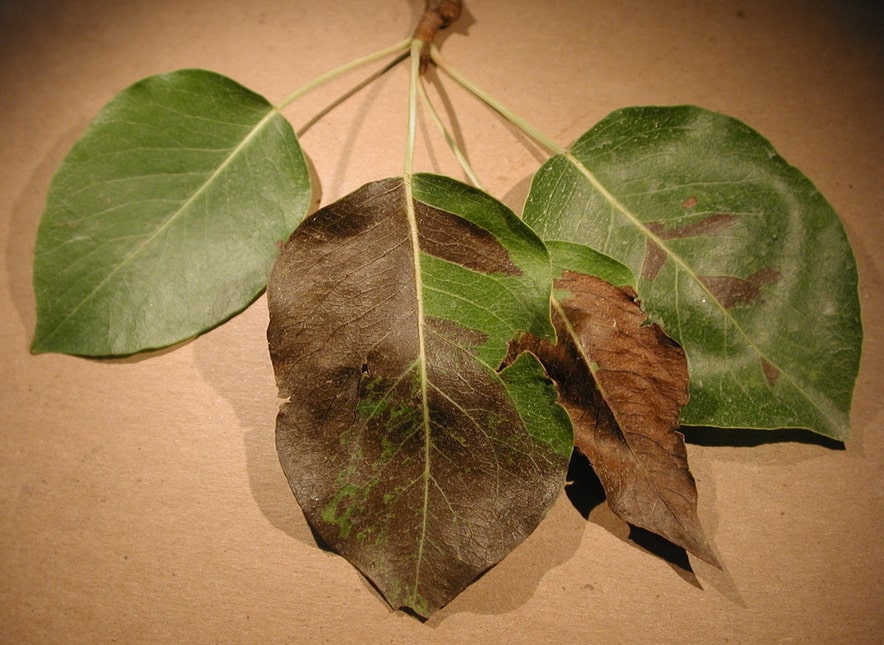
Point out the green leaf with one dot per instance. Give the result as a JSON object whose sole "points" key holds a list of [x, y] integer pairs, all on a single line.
{"points": [[736, 253], [164, 218], [391, 311], [582, 259]]}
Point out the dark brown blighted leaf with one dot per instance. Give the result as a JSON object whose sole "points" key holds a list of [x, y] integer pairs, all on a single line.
{"points": [[623, 384], [409, 454]]}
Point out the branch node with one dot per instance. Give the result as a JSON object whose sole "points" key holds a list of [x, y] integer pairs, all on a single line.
{"points": [[438, 14]]}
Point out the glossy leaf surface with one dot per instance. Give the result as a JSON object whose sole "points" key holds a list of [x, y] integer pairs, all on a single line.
{"points": [[735, 252], [410, 454], [164, 218]]}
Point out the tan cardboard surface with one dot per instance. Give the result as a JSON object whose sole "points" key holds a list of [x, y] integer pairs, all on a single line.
{"points": [[141, 500]]}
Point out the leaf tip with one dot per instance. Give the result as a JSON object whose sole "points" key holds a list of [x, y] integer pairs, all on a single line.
{"points": [[39, 345], [703, 550]]}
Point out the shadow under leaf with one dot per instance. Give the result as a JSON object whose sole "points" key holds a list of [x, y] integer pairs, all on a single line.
{"points": [[585, 492], [674, 555], [583, 489], [750, 438]]}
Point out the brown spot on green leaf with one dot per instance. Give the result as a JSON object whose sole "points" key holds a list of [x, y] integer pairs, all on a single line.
{"points": [[452, 238], [733, 292], [655, 257], [771, 373]]}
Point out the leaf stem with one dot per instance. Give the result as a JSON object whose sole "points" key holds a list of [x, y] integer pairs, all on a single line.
{"points": [[458, 153], [416, 47], [398, 48], [353, 90], [498, 107]]}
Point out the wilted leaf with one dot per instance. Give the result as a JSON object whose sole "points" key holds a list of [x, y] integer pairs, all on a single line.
{"points": [[163, 219], [409, 454], [736, 254], [623, 383]]}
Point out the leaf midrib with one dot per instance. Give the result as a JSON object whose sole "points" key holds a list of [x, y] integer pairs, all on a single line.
{"points": [[408, 186]]}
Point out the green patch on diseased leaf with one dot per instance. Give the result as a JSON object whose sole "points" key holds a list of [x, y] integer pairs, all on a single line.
{"points": [[340, 509], [535, 397], [583, 259], [377, 404]]}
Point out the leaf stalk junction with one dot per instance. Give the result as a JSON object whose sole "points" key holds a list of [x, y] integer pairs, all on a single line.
{"points": [[420, 47]]}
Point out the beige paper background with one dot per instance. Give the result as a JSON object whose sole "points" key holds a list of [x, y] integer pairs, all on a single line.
{"points": [[141, 500]]}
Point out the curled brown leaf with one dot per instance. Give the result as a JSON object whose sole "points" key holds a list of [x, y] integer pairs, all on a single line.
{"points": [[623, 382]]}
